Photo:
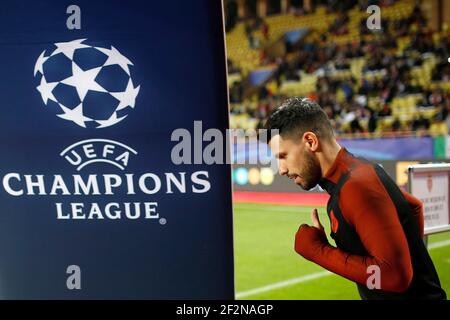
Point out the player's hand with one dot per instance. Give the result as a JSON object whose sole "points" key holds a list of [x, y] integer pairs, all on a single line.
{"points": [[310, 239]]}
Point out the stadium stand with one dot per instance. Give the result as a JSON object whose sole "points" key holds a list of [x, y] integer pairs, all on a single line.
{"points": [[370, 82]]}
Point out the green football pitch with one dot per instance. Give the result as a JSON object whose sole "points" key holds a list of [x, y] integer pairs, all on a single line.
{"points": [[267, 267]]}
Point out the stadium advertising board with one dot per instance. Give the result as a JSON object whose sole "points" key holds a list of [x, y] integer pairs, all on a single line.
{"points": [[430, 183]]}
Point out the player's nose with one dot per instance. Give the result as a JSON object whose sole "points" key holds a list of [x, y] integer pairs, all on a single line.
{"points": [[282, 170]]}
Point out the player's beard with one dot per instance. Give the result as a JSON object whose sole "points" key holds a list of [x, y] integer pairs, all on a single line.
{"points": [[311, 173]]}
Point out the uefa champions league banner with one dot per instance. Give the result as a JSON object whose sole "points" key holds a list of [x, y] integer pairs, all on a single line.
{"points": [[91, 204]]}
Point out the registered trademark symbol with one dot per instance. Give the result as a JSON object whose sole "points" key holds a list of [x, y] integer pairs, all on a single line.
{"points": [[162, 221]]}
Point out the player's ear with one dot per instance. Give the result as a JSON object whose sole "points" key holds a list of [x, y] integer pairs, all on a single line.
{"points": [[311, 141]]}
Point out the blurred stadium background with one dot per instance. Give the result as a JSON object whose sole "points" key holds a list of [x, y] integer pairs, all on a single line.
{"points": [[386, 93]]}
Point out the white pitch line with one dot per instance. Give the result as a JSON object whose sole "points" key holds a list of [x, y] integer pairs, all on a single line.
{"points": [[313, 276], [282, 284], [439, 244]]}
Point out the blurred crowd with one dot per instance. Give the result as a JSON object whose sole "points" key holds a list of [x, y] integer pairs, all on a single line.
{"points": [[345, 100]]}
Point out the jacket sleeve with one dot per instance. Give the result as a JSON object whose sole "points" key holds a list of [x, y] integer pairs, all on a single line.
{"points": [[417, 210]]}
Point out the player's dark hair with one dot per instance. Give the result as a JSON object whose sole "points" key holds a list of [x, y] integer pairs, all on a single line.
{"points": [[296, 116]]}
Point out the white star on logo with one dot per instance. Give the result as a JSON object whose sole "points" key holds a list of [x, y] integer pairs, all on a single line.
{"points": [[46, 88], [68, 48], [115, 57], [84, 81], [111, 121], [40, 63], [128, 97], [75, 115]]}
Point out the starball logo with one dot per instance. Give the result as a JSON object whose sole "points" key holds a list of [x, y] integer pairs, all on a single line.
{"points": [[74, 69], [92, 88]]}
